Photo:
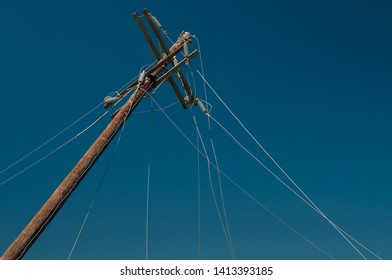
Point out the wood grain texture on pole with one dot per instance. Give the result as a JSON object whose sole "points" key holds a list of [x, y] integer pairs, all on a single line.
{"points": [[40, 221]]}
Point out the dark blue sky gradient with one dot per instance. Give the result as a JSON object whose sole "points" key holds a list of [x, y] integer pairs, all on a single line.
{"points": [[310, 80]]}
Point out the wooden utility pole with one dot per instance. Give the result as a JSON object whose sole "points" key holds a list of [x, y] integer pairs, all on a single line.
{"points": [[53, 205]]}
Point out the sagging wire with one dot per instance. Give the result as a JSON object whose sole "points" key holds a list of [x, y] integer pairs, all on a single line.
{"points": [[237, 185], [225, 229], [149, 181], [309, 202], [96, 194], [50, 139], [157, 110], [199, 102], [207, 109], [55, 150], [104, 175]]}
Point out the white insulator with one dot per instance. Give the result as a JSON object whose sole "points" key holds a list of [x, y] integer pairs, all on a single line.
{"points": [[142, 77], [201, 105], [109, 100], [186, 49], [156, 22], [175, 61]]}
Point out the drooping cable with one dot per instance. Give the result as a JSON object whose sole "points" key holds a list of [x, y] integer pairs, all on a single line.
{"points": [[274, 215], [208, 108], [147, 208], [54, 137], [156, 110], [100, 185], [286, 185], [66, 128], [359, 243], [96, 193], [221, 196], [204, 83], [148, 180], [310, 203], [225, 232], [50, 139], [53, 151], [236, 184], [281, 169], [198, 197]]}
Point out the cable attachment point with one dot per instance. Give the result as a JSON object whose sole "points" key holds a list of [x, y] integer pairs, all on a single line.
{"points": [[142, 77], [110, 99], [198, 102]]}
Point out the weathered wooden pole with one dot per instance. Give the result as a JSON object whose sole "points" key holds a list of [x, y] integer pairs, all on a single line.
{"points": [[41, 220]]}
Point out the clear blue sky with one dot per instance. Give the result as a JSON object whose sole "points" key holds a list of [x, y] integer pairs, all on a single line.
{"points": [[311, 80]]}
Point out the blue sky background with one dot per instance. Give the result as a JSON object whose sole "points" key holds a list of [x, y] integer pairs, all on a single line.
{"points": [[311, 80]]}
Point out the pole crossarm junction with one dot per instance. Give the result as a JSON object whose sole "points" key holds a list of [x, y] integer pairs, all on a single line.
{"points": [[157, 54]]}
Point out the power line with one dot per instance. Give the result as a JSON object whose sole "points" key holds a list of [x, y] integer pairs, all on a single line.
{"points": [[198, 196], [237, 185], [314, 206], [95, 195], [53, 151], [50, 139], [225, 230], [148, 182], [286, 185], [222, 197]]}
